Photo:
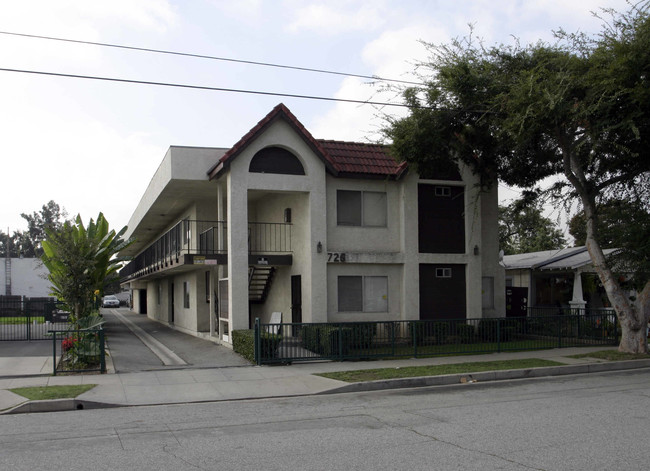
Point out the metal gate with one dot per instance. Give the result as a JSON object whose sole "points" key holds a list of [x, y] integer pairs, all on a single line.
{"points": [[24, 318]]}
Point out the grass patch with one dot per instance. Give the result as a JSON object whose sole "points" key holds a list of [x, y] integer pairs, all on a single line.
{"points": [[613, 355], [436, 370], [21, 320], [52, 392]]}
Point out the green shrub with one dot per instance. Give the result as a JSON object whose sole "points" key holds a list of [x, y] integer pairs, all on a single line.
{"points": [[243, 343], [465, 333], [269, 344], [361, 335]]}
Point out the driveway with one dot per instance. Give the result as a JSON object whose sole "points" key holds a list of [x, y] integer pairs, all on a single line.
{"points": [[155, 347], [138, 343]]}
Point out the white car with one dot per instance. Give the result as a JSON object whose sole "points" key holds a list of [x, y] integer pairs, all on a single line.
{"points": [[110, 301]]}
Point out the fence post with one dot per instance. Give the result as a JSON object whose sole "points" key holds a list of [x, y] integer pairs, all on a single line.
{"points": [[258, 342], [54, 352], [25, 307], [102, 352], [498, 335], [414, 326]]}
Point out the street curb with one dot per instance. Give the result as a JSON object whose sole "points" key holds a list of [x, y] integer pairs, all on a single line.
{"points": [[56, 405], [489, 376], [484, 377]]}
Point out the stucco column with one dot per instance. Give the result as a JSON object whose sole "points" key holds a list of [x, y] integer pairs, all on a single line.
{"points": [[577, 302], [237, 209]]}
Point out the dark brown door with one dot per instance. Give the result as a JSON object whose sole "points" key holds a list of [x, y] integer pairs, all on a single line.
{"points": [[296, 301], [441, 219], [442, 291]]}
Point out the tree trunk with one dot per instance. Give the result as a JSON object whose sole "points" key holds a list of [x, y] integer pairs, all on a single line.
{"points": [[632, 315]]}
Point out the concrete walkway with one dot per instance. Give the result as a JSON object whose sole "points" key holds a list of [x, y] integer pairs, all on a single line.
{"points": [[227, 376]]}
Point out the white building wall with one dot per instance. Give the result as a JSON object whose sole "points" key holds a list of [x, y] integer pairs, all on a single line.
{"points": [[28, 278], [310, 229]]}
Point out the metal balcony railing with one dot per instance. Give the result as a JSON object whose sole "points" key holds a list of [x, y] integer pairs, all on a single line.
{"points": [[205, 238]]}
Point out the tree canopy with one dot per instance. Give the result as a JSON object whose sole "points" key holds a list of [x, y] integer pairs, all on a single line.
{"points": [[576, 112], [523, 229], [27, 243]]}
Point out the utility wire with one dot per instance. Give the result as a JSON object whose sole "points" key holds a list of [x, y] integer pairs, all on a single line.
{"points": [[201, 87], [201, 56]]}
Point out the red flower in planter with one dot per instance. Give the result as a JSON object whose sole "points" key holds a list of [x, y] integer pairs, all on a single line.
{"points": [[68, 343]]}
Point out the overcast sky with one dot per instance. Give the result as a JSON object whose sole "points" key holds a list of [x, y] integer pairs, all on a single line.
{"points": [[93, 146]]}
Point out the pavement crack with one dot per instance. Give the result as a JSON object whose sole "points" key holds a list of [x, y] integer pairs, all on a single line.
{"points": [[455, 445], [167, 449]]}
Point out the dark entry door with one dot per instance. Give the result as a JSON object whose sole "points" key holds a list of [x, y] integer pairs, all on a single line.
{"points": [[143, 301], [296, 300], [171, 303], [442, 291]]}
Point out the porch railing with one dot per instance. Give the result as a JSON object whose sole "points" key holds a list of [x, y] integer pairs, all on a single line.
{"points": [[205, 238], [365, 340]]}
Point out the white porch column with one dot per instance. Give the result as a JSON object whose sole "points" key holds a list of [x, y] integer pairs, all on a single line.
{"points": [[237, 209], [577, 302]]}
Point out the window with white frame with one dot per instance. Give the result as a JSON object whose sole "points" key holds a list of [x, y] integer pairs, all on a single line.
{"points": [[363, 294], [487, 292], [187, 231], [361, 208], [186, 294]]}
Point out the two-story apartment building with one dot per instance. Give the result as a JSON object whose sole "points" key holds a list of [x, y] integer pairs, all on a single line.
{"points": [[318, 230]]}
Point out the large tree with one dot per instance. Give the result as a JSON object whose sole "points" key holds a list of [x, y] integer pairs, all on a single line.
{"points": [[81, 261], [576, 112], [27, 243], [523, 229]]}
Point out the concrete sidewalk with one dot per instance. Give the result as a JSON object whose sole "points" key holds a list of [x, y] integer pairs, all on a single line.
{"points": [[174, 386], [151, 364]]}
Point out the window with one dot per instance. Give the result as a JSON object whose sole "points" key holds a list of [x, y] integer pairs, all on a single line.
{"points": [[187, 231], [363, 293], [442, 191], [443, 272], [487, 292], [361, 208], [186, 294]]}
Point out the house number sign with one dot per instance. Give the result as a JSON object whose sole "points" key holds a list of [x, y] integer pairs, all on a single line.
{"points": [[336, 257]]}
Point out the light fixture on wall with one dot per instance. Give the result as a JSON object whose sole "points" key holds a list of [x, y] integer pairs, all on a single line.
{"points": [[319, 247], [476, 250]]}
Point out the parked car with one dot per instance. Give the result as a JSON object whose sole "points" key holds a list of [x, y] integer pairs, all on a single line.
{"points": [[110, 301]]}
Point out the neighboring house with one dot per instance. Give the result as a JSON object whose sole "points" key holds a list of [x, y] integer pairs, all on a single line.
{"points": [[24, 277], [317, 230], [555, 278]]}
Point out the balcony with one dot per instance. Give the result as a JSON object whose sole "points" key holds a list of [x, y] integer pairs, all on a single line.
{"points": [[191, 243]]}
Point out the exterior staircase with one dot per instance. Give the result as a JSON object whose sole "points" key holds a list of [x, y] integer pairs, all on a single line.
{"points": [[259, 283]]}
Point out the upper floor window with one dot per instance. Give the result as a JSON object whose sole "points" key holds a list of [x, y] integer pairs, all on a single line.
{"points": [[361, 208], [276, 160]]}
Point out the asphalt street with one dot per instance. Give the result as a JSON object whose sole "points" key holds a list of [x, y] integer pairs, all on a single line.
{"points": [[584, 422]]}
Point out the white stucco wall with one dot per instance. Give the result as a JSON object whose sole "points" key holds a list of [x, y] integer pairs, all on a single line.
{"points": [[28, 278]]}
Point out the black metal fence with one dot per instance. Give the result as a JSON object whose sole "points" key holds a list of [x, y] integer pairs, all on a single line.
{"points": [[23, 318], [372, 340], [78, 351]]}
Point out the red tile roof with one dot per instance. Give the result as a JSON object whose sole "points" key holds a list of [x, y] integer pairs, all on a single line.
{"points": [[346, 158], [362, 159]]}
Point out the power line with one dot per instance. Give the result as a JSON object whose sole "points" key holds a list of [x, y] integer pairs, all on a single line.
{"points": [[202, 87], [202, 56]]}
